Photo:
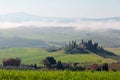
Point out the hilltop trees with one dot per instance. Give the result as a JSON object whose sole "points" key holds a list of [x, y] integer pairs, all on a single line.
{"points": [[82, 47], [86, 47], [92, 46], [73, 47]]}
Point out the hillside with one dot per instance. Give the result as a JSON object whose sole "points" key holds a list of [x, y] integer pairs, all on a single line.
{"points": [[21, 42], [23, 29], [34, 55], [56, 36], [115, 50]]}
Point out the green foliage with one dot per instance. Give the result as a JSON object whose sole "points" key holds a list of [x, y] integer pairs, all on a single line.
{"points": [[48, 61], [59, 65], [57, 75], [105, 67]]}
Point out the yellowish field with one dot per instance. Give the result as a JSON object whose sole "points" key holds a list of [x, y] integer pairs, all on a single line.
{"points": [[114, 50], [57, 75]]}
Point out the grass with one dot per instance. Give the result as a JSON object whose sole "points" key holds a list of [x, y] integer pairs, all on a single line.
{"points": [[115, 50], [57, 75], [34, 55]]}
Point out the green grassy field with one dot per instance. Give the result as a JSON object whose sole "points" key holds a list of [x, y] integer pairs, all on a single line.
{"points": [[34, 55], [57, 75]]}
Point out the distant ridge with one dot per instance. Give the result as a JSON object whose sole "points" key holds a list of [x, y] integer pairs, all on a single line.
{"points": [[21, 17]]}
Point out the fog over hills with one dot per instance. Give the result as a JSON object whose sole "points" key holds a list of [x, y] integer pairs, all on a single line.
{"points": [[26, 30], [80, 23], [55, 36]]}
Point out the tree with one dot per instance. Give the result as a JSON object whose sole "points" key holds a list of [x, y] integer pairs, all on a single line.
{"points": [[82, 41], [59, 65], [48, 61], [89, 45], [95, 46], [11, 62], [35, 65], [105, 67], [51, 60], [45, 62]]}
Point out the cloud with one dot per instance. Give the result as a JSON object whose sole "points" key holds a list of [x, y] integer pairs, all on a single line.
{"points": [[98, 25], [78, 25]]}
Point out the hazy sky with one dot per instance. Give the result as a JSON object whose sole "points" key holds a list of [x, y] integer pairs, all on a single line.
{"points": [[63, 8]]}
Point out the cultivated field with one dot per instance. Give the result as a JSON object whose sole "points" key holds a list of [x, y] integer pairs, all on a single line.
{"points": [[57, 75]]}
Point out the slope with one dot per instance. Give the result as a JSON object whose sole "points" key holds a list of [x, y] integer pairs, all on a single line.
{"points": [[115, 50], [34, 55], [59, 36]]}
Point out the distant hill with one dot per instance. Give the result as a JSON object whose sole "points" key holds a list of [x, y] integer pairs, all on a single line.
{"points": [[55, 36], [56, 31], [20, 42], [22, 17]]}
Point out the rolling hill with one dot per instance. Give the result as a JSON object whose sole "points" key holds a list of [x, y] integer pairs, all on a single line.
{"points": [[115, 50], [26, 29], [21, 42], [55, 36], [34, 55]]}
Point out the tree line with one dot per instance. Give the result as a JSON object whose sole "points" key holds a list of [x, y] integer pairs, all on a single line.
{"points": [[51, 64]]}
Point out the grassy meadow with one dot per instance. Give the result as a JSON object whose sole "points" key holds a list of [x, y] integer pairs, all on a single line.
{"points": [[34, 55]]}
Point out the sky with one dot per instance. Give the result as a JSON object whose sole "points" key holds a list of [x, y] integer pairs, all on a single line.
{"points": [[63, 8]]}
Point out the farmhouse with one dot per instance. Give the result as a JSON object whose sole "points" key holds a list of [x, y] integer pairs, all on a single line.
{"points": [[96, 67]]}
